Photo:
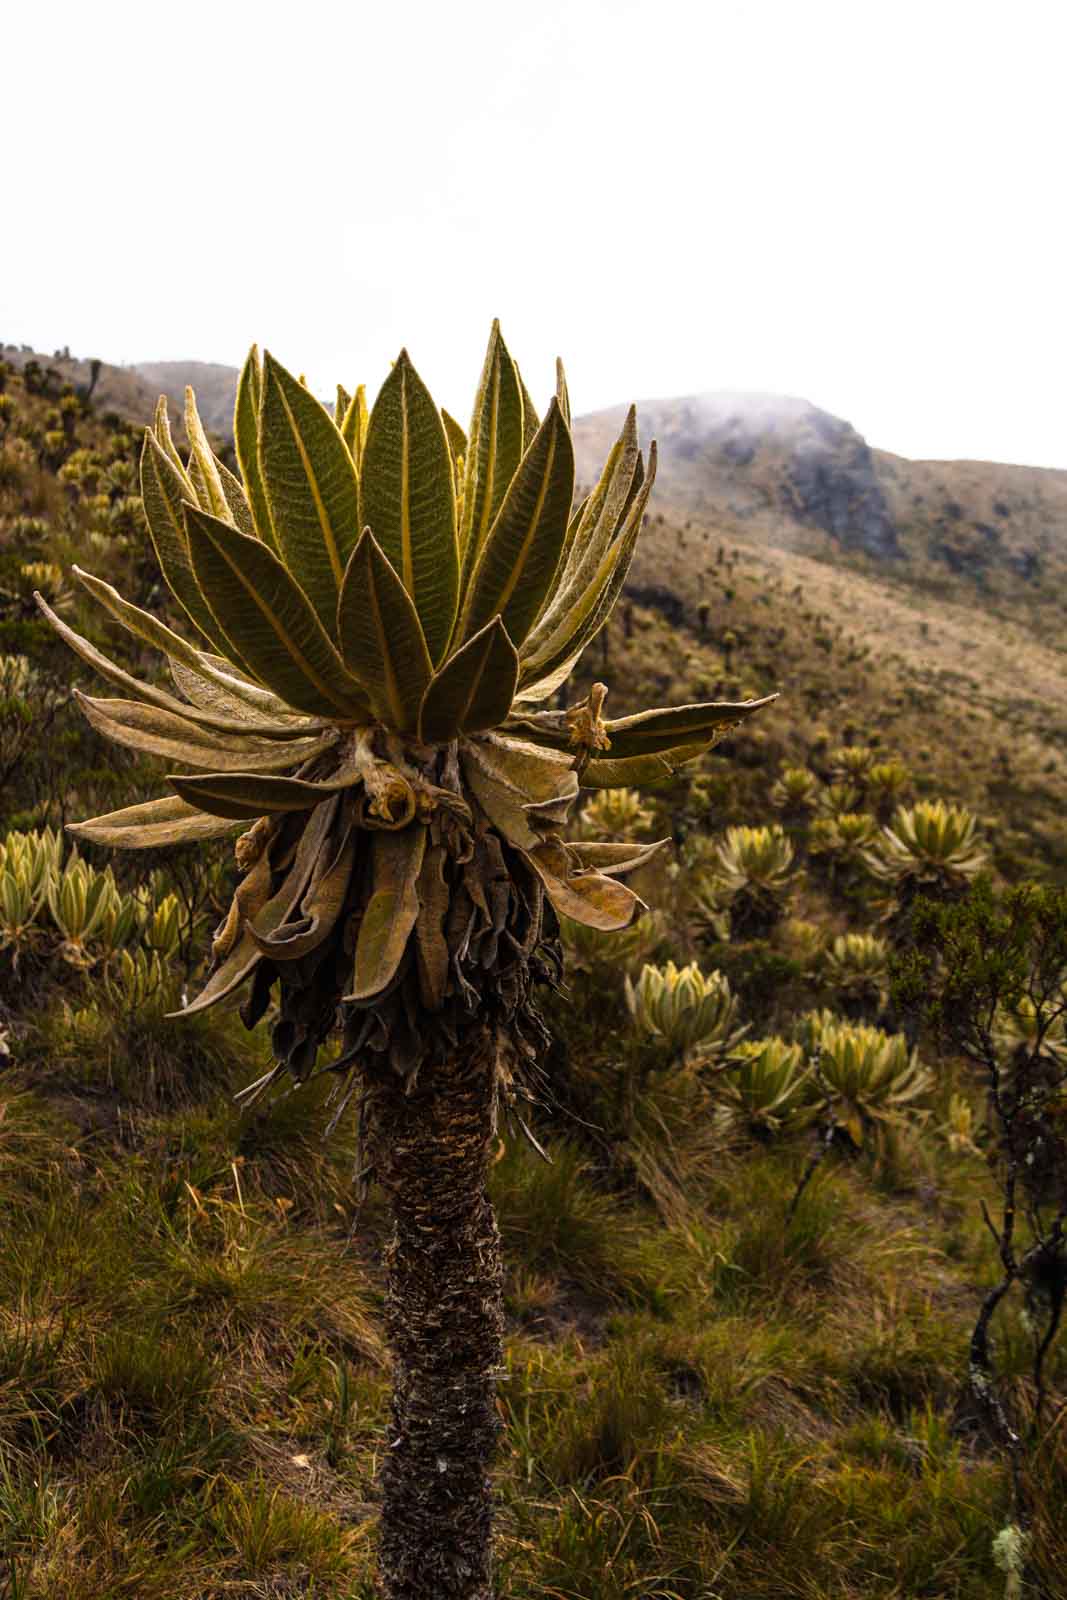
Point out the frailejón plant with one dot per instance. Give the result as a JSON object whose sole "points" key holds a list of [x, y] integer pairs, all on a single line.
{"points": [[683, 1009], [872, 1076], [930, 846], [768, 1087], [751, 871], [374, 614]]}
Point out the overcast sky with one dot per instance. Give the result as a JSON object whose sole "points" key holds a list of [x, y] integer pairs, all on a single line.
{"points": [[858, 202]]}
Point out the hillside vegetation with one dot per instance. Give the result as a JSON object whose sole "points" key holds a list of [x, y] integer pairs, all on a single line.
{"points": [[741, 1291]]}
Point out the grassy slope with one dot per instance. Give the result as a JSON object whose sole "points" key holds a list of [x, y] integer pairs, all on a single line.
{"points": [[702, 1399]]}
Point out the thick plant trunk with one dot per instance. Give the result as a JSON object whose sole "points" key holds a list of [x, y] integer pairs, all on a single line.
{"points": [[431, 1153]]}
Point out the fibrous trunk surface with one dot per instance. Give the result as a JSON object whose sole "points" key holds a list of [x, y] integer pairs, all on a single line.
{"points": [[431, 1151]]}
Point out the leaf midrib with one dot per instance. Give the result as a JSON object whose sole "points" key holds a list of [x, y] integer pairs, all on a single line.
{"points": [[478, 533], [392, 686], [406, 554], [320, 508], [518, 566], [274, 622]]}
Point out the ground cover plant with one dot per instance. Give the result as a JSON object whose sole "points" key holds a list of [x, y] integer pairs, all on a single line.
{"points": [[710, 1384]]}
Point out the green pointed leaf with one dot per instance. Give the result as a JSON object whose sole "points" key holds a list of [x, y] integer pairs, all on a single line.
{"points": [[562, 392], [223, 709], [246, 442], [354, 426], [588, 540], [225, 674], [392, 911], [165, 440], [554, 660], [156, 732], [474, 689], [530, 420], [649, 732], [311, 487], [239, 510], [208, 483], [269, 620], [494, 451], [636, 487], [521, 553], [266, 913], [246, 794], [341, 405], [152, 826], [381, 638], [457, 439], [164, 492], [407, 498], [210, 692]]}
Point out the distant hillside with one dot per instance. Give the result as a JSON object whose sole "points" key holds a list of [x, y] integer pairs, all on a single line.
{"points": [[215, 385], [133, 391], [771, 472], [776, 472]]}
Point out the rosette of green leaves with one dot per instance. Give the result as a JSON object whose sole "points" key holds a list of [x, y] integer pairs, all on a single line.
{"points": [[872, 1077], [591, 950], [857, 965], [370, 616], [1031, 1030], [838, 798], [886, 784], [682, 1009], [162, 928], [851, 764], [930, 844], [751, 869], [843, 838], [615, 812], [138, 982], [28, 865], [769, 1085], [794, 792], [87, 908]]}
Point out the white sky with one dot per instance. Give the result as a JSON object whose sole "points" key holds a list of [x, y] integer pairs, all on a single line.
{"points": [[857, 201]]}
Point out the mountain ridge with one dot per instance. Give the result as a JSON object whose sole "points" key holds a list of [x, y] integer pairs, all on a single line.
{"points": [[770, 471]]}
